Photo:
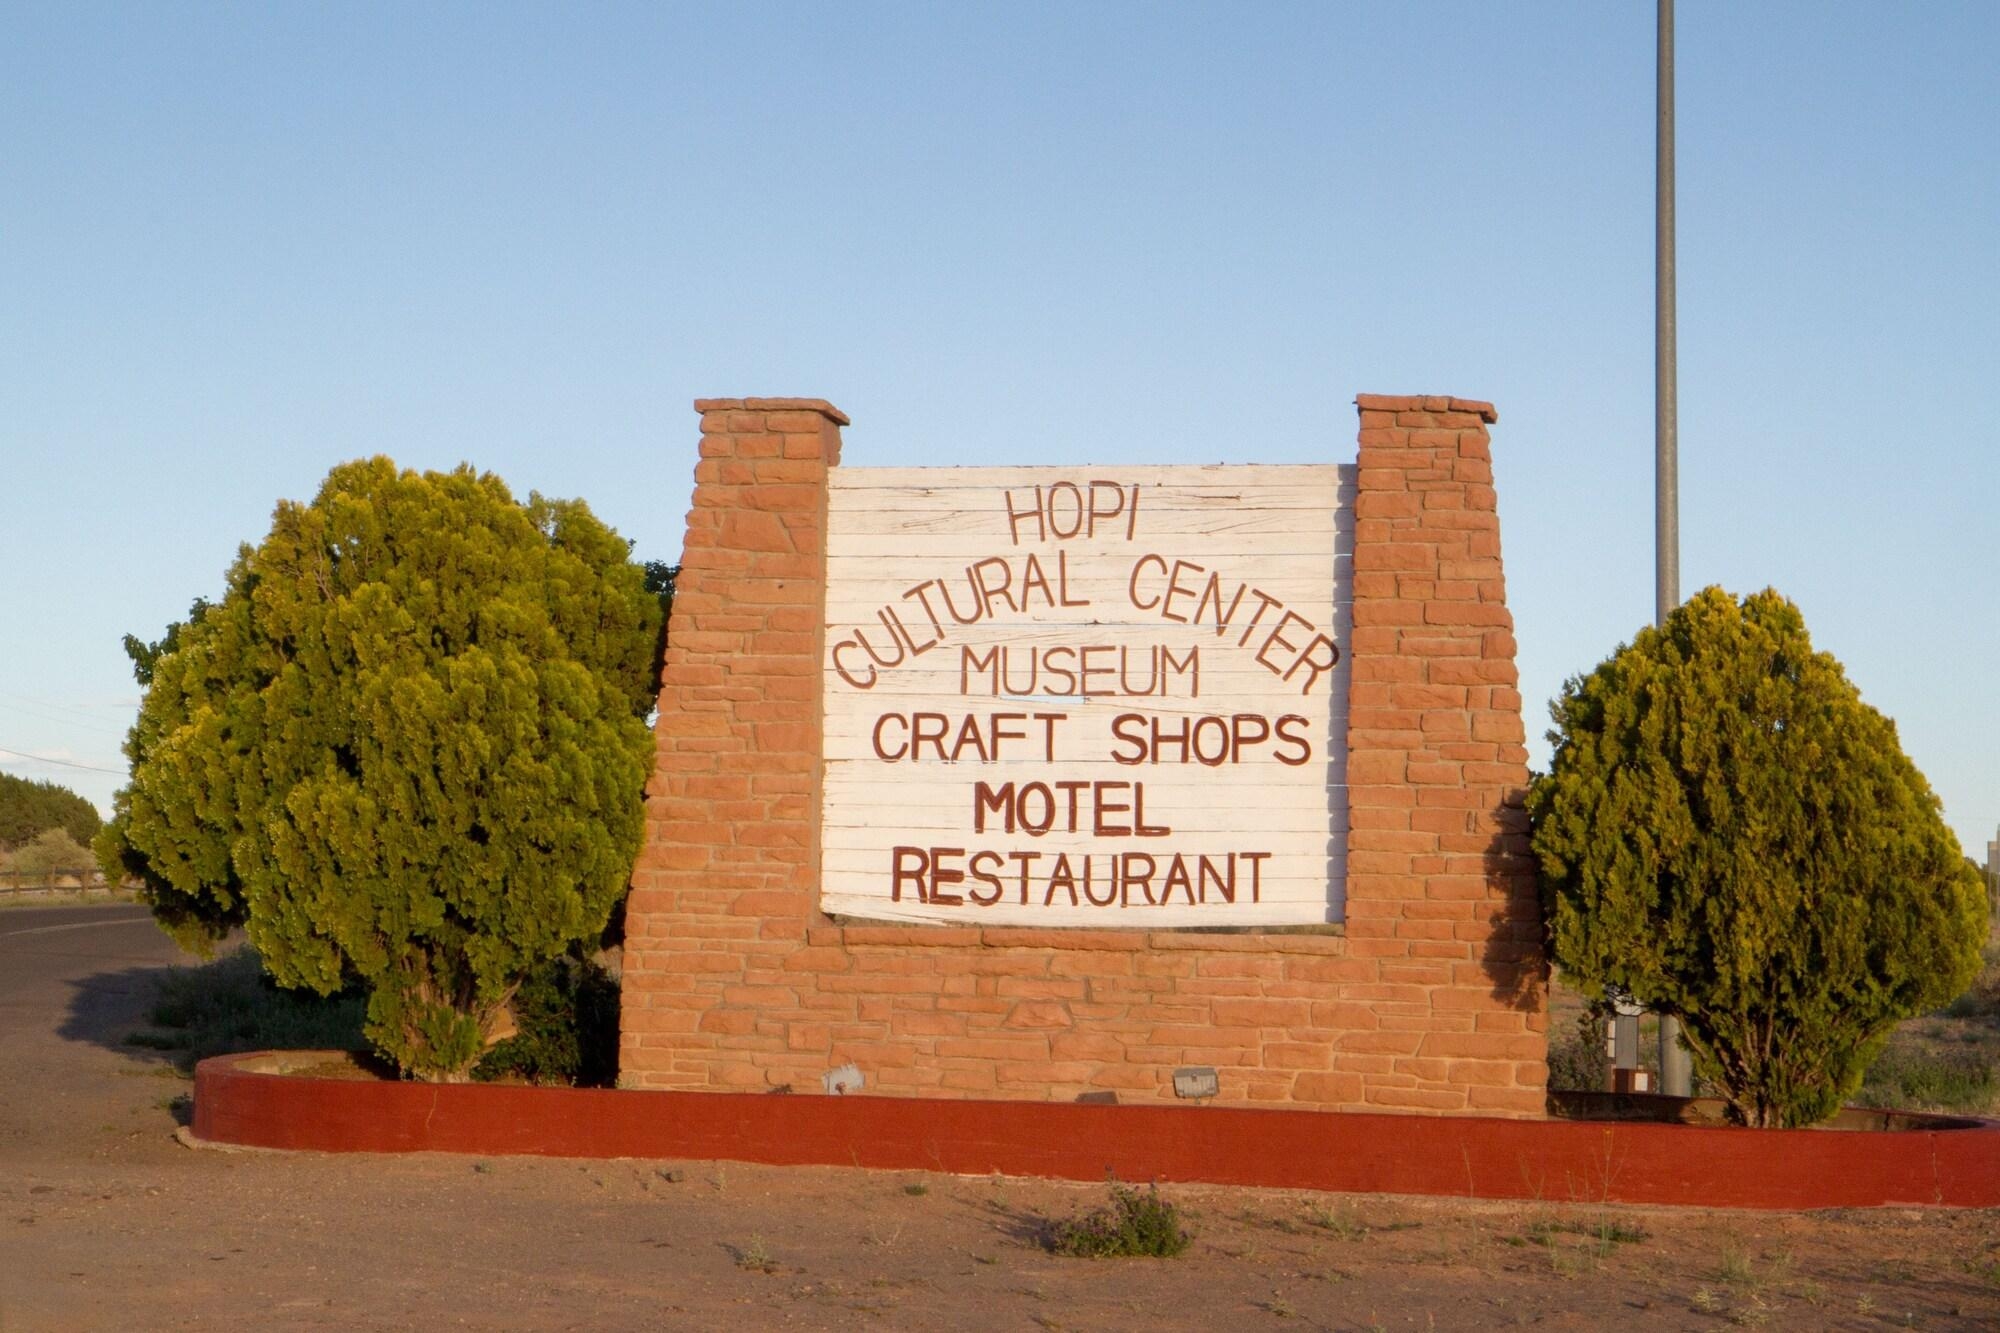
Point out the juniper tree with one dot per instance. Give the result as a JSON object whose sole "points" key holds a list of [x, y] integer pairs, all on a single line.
{"points": [[29, 808], [407, 746], [1730, 835], [204, 913]]}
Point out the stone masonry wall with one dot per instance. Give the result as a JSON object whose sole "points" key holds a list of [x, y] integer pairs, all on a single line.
{"points": [[1430, 1001]]}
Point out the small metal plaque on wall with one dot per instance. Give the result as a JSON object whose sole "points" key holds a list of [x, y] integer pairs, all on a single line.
{"points": [[1199, 1082]]}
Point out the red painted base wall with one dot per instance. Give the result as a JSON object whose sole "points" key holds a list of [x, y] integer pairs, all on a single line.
{"points": [[1553, 1161]]}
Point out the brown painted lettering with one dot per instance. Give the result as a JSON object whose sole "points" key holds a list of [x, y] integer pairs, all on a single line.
{"points": [[970, 660], [995, 800], [1138, 869], [1264, 603], [975, 575], [1062, 582], [928, 729], [882, 752], [1117, 503], [930, 612], [1061, 877], [1175, 588], [1277, 639], [1256, 862], [1030, 825], [1211, 596], [1076, 501], [1289, 727], [899, 872], [1073, 790], [1025, 860], [846, 673], [1132, 585], [1319, 657], [1014, 517], [1102, 807], [943, 874], [1225, 888], [1121, 731], [985, 877], [1089, 670]]}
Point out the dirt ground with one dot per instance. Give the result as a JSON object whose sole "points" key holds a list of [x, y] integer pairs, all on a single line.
{"points": [[107, 1223]]}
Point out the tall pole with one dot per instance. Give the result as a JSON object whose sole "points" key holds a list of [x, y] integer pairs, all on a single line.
{"points": [[1666, 425], [1675, 1074]]}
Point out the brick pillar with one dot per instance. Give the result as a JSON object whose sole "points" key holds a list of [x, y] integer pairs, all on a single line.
{"points": [[729, 877], [1440, 888]]}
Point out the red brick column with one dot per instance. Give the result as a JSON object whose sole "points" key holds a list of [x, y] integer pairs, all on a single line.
{"points": [[729, 878], [1440, 888]]}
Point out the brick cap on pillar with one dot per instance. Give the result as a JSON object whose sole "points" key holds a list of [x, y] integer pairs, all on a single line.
{"points": [[1385, 402], [819, 405]]}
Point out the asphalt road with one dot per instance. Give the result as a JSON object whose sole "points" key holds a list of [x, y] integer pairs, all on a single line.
{"points": [[43, 949], [73, 982]]}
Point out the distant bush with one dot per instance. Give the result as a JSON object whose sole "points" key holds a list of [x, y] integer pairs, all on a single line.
{"points": [[1576, 1053], [50, 852], [1135, 1225], [28, 808]]}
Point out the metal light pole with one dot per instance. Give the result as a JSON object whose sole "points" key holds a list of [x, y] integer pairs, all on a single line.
{"points": [[1675, 1074]]}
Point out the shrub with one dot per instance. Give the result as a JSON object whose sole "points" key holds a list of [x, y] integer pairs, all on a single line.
{"points": [[1576, 1053], [52, 851], [1730, 835], [1135, 1225], [408, 745], [567, 1016]]}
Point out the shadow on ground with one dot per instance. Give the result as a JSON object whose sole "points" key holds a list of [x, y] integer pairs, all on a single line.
{"points": [[107, 1007]]}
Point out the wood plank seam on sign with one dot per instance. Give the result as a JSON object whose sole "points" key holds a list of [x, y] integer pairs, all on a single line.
{"points": [[1229, 479]]}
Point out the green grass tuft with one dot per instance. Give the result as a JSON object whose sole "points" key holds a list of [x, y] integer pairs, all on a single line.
{"points": [[1135, 1225], [1916, 1079]]}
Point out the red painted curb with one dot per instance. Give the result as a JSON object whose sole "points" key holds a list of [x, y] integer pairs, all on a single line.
{"points": [[1553, 1160]]}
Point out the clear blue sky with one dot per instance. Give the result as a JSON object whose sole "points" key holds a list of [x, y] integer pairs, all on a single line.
{"points": [[239, 244]]}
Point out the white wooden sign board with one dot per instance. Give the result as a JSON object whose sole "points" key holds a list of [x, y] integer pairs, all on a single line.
{"points": [[1096, 697]]}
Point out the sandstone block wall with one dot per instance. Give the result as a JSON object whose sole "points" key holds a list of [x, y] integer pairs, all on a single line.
{"points": [[1430, 1001]]}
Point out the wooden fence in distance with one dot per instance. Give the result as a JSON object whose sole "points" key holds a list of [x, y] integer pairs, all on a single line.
{"points": [[80, 879]]}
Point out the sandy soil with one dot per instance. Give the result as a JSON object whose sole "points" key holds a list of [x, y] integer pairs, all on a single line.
{"points": [[106, 1222]]}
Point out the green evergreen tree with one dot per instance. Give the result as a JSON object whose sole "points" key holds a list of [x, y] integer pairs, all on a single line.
{"points": [[408, 745], [197, 919], [29, 808], [1728, 834]]}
